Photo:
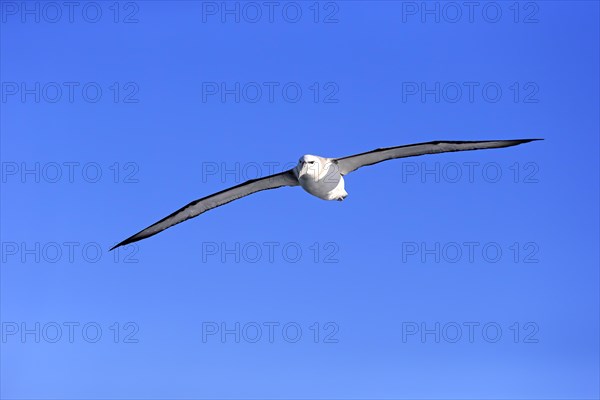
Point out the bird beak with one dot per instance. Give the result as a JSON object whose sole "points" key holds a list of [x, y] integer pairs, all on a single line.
{"points": [[301, 167]]}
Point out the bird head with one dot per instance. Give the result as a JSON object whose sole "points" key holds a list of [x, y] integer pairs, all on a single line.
{"points": [[309, 166], [314, 167]]}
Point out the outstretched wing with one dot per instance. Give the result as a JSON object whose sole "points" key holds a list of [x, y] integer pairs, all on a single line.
{"points": [[204, 204], [351, 163]]}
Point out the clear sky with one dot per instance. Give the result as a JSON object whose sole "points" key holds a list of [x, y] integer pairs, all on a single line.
{"points": [[463, 275]]}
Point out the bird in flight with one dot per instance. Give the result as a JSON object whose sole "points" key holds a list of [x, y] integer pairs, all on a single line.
{"points": [[320, 176]]}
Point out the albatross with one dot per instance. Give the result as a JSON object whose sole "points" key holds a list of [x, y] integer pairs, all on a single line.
{"points": [[322, 177]]}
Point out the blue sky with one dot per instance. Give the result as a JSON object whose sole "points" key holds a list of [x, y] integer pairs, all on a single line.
{"points": [[464, 275]]}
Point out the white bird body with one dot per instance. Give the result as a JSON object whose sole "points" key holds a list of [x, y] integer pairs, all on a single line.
{"points": [[320, 176]]}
